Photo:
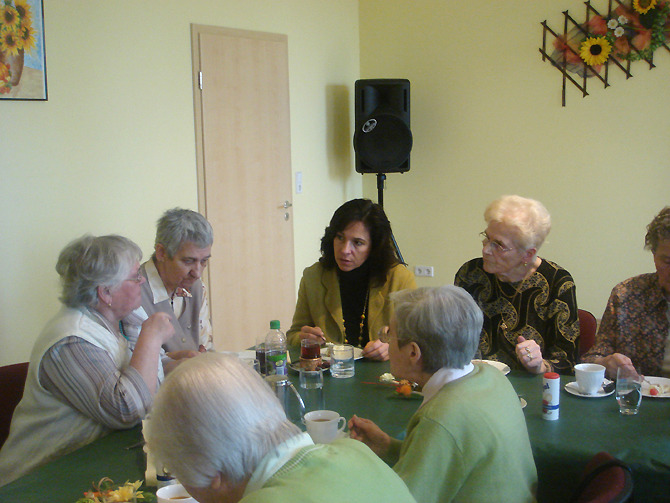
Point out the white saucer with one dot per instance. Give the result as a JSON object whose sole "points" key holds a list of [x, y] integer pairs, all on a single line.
{"points": [[325, 352], [503, 367], [574, 389], [523, 403]]}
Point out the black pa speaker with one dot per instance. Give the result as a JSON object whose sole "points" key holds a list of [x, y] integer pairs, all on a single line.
{"points": [[382, 138]]}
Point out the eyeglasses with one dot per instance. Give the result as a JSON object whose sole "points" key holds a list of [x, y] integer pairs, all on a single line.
{"points": [[495, 246], [137, 279]]}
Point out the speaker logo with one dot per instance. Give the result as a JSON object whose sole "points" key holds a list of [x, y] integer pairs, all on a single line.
{"points": [[369, 125]]}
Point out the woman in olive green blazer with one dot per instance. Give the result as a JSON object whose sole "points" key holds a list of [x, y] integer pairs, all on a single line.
{"points": [[344, 296]]}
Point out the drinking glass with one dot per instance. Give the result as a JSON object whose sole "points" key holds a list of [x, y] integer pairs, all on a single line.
{"points": [[342, 361], [311, 389], [628, 390], [253, 363]]}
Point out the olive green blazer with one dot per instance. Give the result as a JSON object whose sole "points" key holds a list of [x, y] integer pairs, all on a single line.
{"points": [[319, 303]]}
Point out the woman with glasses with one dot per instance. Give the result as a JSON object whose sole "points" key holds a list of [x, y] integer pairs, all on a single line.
{"points": [[529, 303], [344, 296], [83, 380]]}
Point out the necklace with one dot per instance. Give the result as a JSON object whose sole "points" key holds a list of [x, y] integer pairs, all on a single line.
{"points": [[517, 291], [362, 323]]}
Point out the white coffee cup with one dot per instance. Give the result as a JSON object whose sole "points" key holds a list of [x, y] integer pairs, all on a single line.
{"points": [[589, 377], [174, 493], [324, 425]]}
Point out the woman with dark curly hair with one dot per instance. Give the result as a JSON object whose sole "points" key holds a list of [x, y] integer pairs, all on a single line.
{"points": [[635, 328], [344, 296]]}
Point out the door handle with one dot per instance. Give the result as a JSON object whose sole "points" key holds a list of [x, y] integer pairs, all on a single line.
{"points": [[286, 205]]}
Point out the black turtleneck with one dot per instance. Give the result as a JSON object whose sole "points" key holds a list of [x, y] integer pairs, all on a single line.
{"points": [[353, 292]]}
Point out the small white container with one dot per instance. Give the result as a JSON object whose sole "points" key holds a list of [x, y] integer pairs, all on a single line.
{"points": [[551, 392]]}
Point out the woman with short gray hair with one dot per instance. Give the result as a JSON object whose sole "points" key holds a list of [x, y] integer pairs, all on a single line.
{"points": [[531, 321], [468, 441], [83, 380], [635, 326], [225, 436]]}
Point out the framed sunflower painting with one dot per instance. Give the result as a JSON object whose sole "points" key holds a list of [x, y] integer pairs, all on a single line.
{"points": [[23, 71]]}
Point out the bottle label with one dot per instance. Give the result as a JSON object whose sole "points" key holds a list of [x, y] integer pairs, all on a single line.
{"points": [[276, 363]]}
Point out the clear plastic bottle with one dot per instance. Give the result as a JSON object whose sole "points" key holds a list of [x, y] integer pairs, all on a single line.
{"points": [[275, 350]]}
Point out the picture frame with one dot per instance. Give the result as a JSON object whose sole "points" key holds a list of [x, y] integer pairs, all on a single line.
{"points": [[23, 69]]}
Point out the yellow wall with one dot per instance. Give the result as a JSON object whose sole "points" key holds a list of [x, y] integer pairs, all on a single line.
{"points": [[487, 120], [114, 146]]}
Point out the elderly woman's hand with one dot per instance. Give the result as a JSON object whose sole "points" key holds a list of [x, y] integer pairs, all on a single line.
{"points": [[613, 362], [158, 326], [530, 355], [370, 434], [313, 333], [376, 350]]}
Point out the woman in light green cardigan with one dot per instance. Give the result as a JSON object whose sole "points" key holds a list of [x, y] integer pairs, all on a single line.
{"points": [[468, 442], [344, 296]]}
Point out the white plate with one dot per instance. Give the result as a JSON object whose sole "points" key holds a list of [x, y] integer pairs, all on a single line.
{"points": [[503, 367], [655, 380], [574, 389], [325, 353]]}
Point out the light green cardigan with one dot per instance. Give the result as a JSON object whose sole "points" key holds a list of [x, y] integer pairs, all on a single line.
{"points": [[468, 444], [319, 303]]}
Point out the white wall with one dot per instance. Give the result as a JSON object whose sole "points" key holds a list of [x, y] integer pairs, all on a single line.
{"points": [[114, 146]]}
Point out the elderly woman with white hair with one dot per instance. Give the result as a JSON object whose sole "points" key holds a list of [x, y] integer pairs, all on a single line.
{"points": [[83, 380], [531, 320], [219, 428], [468, 441]]}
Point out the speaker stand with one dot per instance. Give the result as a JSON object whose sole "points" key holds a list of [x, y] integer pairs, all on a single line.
{"points": [[381, 178]]}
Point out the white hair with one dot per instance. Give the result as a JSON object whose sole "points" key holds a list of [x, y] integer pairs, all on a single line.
{"points": [[528, 216], [214, 414], [445, 322]]}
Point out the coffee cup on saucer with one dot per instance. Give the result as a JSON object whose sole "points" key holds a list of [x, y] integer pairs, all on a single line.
{"points": [[590, 377]]}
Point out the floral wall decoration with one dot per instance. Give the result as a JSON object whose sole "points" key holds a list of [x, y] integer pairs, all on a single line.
{"points": [[630, 31], [22, 57]]}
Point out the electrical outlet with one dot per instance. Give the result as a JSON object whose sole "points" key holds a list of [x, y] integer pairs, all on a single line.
{"points": [[424, 270]]}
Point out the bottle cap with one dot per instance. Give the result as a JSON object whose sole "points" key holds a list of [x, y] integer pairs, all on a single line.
{"points": [[274, 325], [552, 375]]}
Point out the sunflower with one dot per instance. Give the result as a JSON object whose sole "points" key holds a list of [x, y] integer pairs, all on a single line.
{"points": [[9, 17], [23, 9], [643, 6], [595, 50], [10, 43], [26, 35]]}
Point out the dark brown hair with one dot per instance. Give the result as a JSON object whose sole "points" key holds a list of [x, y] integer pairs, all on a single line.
{"points": [[382, 253]]}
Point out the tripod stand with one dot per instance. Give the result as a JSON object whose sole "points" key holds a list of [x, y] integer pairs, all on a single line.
{"points": [[381, 178]]}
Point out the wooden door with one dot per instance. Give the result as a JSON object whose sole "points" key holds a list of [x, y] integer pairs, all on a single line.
{"points": [[244, 173]]}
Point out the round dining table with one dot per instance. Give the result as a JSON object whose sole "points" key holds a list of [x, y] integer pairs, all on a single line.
{"points": [[561, 448]]}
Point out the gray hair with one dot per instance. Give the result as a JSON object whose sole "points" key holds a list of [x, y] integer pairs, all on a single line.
{"points": [[445, 322], [89, 262], [178, 226], [214, 414], [528, 216], [658, 230]]}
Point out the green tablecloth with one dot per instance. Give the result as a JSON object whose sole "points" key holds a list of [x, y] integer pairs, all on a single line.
{"points": [[561, 448]]}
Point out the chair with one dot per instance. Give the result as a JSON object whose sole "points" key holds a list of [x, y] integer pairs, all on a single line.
{"points": [[587, 331], [605, 479], [12, 382]]}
